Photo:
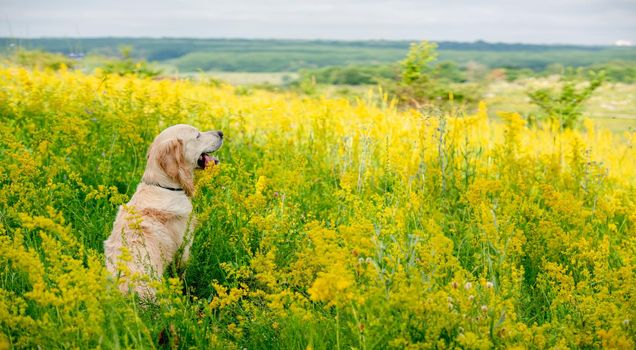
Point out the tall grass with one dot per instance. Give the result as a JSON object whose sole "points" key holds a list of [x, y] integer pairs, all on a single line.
{"points": [[328, 224]]}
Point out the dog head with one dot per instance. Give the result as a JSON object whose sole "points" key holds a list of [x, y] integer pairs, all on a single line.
{"points": [[176, 152]]}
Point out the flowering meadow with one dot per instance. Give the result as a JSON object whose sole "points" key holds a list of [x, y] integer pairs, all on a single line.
{"points": [[328, 224]]}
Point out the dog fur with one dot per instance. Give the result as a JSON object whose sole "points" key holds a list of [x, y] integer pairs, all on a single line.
{"points": [[156, 225]]}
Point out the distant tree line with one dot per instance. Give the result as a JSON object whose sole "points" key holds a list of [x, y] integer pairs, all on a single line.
{"points": [[191, 55]]}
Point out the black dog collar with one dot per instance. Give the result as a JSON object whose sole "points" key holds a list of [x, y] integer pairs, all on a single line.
{"points": [[167, 188]]}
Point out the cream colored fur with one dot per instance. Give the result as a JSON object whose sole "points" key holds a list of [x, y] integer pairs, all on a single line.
{"points": [[156, 224]]}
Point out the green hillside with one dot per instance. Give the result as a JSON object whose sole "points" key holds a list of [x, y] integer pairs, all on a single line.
{"points": [[188, 55]]}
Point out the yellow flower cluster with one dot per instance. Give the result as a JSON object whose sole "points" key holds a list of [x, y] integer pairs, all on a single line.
{"points": [[328, 224]]}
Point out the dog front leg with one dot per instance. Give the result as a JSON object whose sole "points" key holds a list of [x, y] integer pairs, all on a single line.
{"points": [[188, 238]]}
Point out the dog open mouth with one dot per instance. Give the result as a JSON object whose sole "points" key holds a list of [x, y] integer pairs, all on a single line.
{"points": [[205, 160]]}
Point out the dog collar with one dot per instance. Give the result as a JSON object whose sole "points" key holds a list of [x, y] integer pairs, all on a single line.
{"points": [[167, 188]]}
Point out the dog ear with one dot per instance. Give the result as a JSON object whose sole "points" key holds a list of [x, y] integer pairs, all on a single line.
{"points": [[171, 158]]}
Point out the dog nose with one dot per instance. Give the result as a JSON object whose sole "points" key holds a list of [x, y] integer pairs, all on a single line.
{"points": [[220, 133]]}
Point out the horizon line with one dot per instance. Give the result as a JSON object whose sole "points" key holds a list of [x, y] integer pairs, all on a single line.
{"points": [[303, 40]]}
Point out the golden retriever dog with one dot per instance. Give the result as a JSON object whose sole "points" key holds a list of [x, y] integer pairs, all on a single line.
{"points": [[155, 225]]}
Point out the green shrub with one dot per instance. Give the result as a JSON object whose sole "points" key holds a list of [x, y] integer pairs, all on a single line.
{"points": [[566, 104], [38, 59], [127, 65]]}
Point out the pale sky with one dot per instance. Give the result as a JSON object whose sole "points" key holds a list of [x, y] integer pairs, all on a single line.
{"points": [[529, 21]]}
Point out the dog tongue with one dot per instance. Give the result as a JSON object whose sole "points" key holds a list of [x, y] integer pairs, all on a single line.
{"points": [[206, 160], [209, 159]]}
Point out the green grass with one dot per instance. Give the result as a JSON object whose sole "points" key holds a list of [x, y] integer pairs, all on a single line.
{"points": [[329, 224]]}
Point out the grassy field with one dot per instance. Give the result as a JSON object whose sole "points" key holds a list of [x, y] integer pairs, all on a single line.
{"points": [[249, 78], [329, 224], [612, 107]]}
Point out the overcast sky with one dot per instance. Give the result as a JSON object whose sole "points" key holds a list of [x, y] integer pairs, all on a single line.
{"points": [[528, 21]]}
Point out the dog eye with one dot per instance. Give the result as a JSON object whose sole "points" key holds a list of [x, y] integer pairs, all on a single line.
{"points": [[198, 136]]}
